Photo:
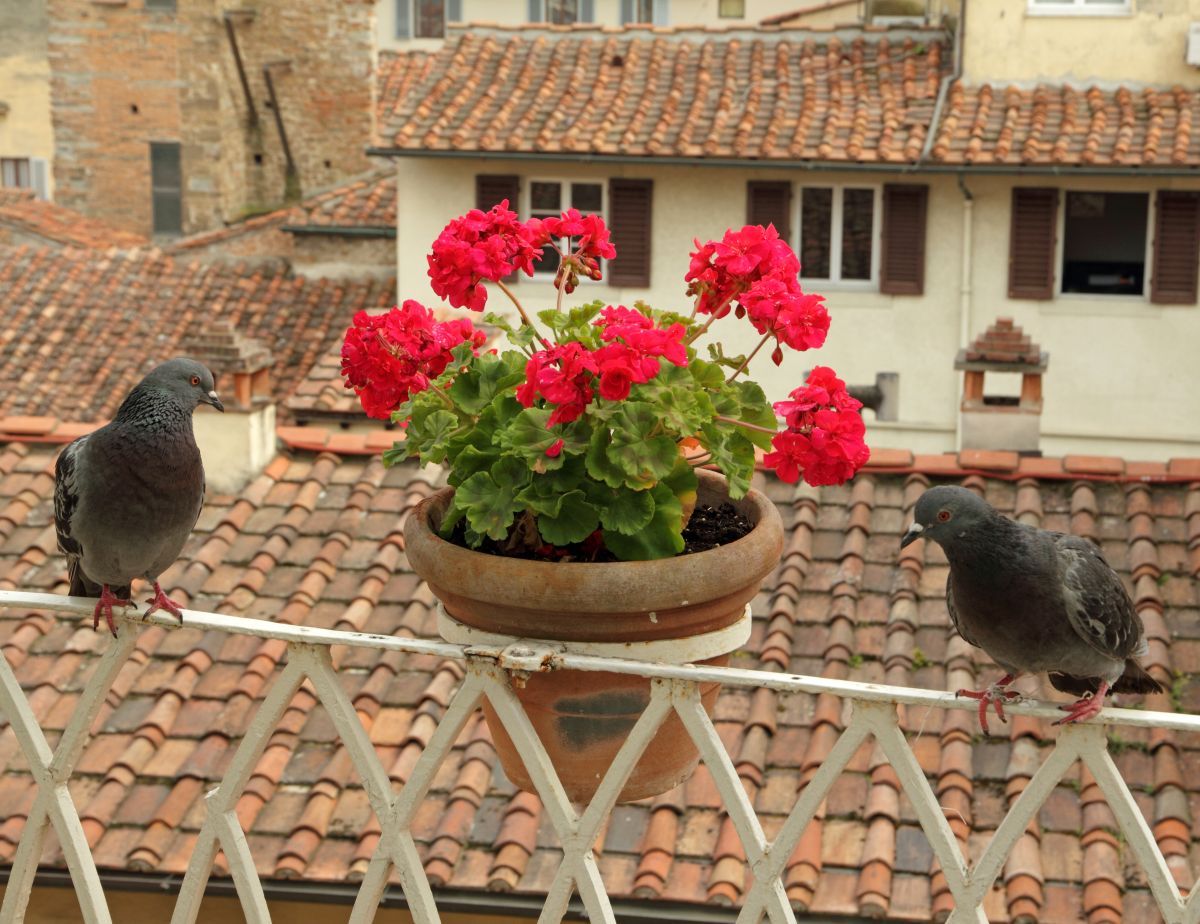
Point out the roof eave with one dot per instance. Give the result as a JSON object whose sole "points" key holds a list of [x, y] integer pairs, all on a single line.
{"points": [[343, 230]]}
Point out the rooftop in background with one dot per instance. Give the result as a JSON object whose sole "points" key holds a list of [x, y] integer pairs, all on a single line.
{"points": [[317, 540], [850, 95], [81, 328], [25, 219]]}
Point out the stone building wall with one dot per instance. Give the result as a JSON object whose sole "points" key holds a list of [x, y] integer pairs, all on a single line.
{"points": [[124, 76]]}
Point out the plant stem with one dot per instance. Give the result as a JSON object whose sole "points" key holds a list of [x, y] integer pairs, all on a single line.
{"points": [[521, 311], [742, 368], [746, 424]]}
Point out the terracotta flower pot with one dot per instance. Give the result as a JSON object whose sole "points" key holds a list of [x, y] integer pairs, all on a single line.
{"points": [[581, 717]]}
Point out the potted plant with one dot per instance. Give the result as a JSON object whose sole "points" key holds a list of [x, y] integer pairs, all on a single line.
{"points": [[577, 456]]}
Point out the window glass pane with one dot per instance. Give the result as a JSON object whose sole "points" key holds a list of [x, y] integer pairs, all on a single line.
{"points": [[562, 12], [166, 185], [1104, 242], [858, 207], [816, 217], [14, 171], [168, 5], [545, 196], [732, 9], [431, 18], [165, 170], [587, 197], [168, 213]]}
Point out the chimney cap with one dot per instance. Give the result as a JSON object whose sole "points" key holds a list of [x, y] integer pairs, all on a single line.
{"points": [[1003, 347], [226, 351]]}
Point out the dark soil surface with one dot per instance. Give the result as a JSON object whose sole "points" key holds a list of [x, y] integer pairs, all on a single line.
{"points": [[708, 528]]}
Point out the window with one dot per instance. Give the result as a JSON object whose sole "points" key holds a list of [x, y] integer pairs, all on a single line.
{"points": [[1079, 7], [426, 18], [1104, 243], [549, 199], [731, 9], [165, 6], [25, 173], [166, 185], [644, 11], [838, 229], [561, 12]]}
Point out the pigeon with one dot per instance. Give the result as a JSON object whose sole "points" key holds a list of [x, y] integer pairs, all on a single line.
{"points": [[127, 496], [1035, 601]]}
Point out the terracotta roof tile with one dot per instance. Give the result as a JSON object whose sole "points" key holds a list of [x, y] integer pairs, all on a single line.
{"points": [[777, 94], [24, 216]]}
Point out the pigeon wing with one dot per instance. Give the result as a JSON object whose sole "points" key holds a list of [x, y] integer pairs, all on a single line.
{"points": [[1097, 603], [66, 497], [959, 627]]}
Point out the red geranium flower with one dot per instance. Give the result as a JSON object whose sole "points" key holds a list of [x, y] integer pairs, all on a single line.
{"points": [[478, 246]]}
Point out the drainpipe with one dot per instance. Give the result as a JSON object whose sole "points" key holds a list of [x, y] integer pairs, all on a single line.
{"points": [[964, 290], [291, 182], [232, 16], [944, 86]]}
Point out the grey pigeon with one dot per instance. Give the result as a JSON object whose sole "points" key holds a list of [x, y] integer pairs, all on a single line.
{"points": [[1035, 601], [127, 496]]}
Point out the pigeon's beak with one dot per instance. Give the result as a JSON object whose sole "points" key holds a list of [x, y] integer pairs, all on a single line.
{"points": [[211, 398], [913, 534]]}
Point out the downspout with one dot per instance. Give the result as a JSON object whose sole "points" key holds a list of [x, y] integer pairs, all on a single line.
{"points": [[291, 182], [964, 290]]}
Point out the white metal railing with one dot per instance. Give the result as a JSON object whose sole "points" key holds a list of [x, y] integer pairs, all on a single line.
{"points": [[489, 671]]}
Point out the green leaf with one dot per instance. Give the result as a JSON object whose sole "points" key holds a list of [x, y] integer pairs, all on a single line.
{"points": [[599, 466], [732, 453], [487, 377], [644, 458], [489, 498], [573, 521], [528, 437], [682, 408], [756, 409], [627, 511], [706, 374], [396, 454], [429, 432], [660, 538]]}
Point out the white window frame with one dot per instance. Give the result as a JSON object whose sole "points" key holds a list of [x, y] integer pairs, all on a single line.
{"points": [[526, 211], [660, 15], [38, 170], [1060, 248], [579, 11], [835, 231], [412, 23], [1077, 8]]}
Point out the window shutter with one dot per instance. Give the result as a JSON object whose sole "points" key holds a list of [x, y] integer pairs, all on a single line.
{"points": [[587, 11], [492, 189], [1176, 248], [769, 202], [902, 259], [39, 171], [629, 207], [1032, 238], [454, 11], [403, 19], [626, 12], [535, 10]]}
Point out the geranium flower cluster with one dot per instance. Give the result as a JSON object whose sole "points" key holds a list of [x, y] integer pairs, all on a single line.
{"points": [[478, 246], [756, 269], [386, 358], [824, 439], [569, 375], [592, 245]]}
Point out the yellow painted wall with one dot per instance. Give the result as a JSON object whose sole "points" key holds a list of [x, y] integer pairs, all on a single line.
{"points": [[1006, 43], [25, 131], [1123, 377]]}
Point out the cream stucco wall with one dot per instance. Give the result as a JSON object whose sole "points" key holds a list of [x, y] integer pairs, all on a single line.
{"points": [[25, 129], [1123, 377], [1007, 43]]}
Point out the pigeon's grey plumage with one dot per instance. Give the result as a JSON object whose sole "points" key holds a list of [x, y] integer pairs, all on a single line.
{"points": [[1035, 601], [127, 496]]}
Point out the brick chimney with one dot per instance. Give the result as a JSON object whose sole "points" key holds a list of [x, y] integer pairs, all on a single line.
{"points": [[1002, 421], [238, 444]]}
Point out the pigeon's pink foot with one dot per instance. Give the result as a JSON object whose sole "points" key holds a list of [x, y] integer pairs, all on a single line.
{"points": [[105, 605], [996, 695], [1085, 708], [160, 601]]}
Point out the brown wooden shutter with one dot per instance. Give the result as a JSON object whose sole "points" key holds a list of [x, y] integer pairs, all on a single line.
{"points": [[769, 202], [902, 260], [1032, 238], [492, 188], [1176, 248], [629, 207]]}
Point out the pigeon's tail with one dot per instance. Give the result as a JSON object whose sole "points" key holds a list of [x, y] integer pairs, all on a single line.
{"points": [[1134, 680], [84, 586]]}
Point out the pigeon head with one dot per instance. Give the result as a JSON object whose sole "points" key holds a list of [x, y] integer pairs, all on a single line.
{"points": [[945, 512], [186, 380]]}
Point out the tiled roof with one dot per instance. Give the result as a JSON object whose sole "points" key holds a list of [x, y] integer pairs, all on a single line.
{"points": [[78, 328], [317, 540], [323, 392], [22, 212], [769, 94], [1056, 124]]}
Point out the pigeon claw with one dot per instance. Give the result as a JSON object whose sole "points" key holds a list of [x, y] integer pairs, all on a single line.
{"points": [[996, 695], [105, 606], [1086, 708], [160, 601]]}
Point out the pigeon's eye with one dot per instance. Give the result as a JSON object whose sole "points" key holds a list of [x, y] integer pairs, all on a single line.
{"points": [[943, 515], [195, 380]]}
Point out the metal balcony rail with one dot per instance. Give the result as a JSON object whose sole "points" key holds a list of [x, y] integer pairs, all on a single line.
{"points": [[489, 673]]}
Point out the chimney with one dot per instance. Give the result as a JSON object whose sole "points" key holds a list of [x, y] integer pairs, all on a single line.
{"points": [[238, 444], [1002, 421]]}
